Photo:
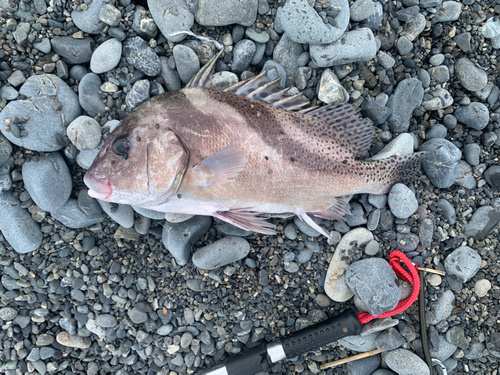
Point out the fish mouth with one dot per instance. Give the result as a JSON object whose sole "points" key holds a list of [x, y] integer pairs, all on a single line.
{"points": [[98, 189]]}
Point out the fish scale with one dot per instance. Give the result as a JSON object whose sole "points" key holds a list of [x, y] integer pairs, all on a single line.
{"points": [[228, 155]]}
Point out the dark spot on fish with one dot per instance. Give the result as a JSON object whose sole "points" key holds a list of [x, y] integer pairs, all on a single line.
{"points": [[179, 196], [138, 139], [113, 162], [265, 157], [270, 171], [157, 126], [292, 159], [344, 161]]}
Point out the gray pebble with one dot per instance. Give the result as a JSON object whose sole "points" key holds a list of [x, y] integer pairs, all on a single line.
{"points": [[5, 150], [223, 80], [448, 11], [143, 24], [173, 22], [437, 131], [110, 15], [491, 175], [302, 24], [106, 56], [305, 228], [448, 211], [275, 70], [404, 362], [79, 213], [170, 76], [483, 221], [49, 107], [408, 96], [286, 53], [354, 46], [390, 339], [258, 37], [48, 181], [138, 94], [73, 51], [220, 253], [472, 152], [123, 214], [141, 56], [475, 115], [471, 77], [437, 59], [155, 215], [402, 201], [404, 45], [106, 320], [462, 264], [186, 62], [178, 238], [226, 12], [88, 20], [445, 349], [242, 55], [440, 164], [372, 280], [365, 365], [360, 343], [136, 316], [84, 132], [88, 95]]}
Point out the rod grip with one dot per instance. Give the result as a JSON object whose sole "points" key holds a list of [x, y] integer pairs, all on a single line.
{"points": [[325, 332]]}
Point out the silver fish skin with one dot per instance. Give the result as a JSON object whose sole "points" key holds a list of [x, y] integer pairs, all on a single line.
{"points": [[205, 152]]}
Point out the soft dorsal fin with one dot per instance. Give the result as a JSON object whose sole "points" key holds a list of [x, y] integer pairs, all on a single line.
{"points": [[344, 119]]}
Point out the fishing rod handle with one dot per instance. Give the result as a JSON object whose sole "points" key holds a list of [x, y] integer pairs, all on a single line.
{"points": [[325, 332]]}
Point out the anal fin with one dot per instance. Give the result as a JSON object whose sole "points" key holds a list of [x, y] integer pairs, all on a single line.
{"points": [[304, 216], [246, 219], [336, 211], [219, 168]]}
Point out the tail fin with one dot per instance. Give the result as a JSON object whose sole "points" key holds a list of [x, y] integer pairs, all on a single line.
{"points": [[393, 170]]}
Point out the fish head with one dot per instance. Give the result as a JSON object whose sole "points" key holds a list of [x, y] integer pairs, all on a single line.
{"points": [[142, 162]]}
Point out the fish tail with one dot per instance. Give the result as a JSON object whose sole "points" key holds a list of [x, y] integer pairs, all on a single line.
{"points": [[393, 170]]}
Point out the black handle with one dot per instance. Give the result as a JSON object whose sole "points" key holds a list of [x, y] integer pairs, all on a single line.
{"points": [[249, 362], [330, 330]]}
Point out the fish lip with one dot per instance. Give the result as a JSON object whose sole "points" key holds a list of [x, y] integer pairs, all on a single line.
{"points": [[97, 189]]}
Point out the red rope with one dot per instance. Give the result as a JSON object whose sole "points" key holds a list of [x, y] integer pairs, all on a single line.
{"points": [[395, 260]]}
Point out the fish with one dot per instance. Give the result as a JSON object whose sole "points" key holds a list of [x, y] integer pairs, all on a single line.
{"points": [[242, 154]]}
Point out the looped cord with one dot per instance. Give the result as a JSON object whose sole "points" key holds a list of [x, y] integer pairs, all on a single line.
{"points": [[395, 260]]}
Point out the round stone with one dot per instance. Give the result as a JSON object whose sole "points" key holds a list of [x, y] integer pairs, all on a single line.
{"points": [[84, 132], [482, 287]]}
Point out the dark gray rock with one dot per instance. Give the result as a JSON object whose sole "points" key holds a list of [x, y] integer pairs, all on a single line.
{"points": [[49, 107], [186, 62], [475, 115], [408, 96], [5, 150], [286, 53], [17, 226], [375, 112], [179, 238], [440, 164], [143, 24], [483, 221], [390, 339], [72, 50], [170, 76], [491, 175], [88, 95], [88, 20], [48, 181], [242, 55], [364, 365], [79, 213], [220, 253], [123, 214], [373, 281]]}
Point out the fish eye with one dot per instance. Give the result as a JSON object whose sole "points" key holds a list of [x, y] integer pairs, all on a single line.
{"points": [[121, 147]]}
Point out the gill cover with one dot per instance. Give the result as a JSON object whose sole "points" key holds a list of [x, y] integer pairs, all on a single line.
{"points": [[167, 161]]}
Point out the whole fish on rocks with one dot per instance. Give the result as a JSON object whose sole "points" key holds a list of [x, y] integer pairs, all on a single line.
{"points": [[241, 153]]}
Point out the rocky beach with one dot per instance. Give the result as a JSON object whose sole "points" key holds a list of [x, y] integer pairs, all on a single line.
{"points": [[92, 287]]}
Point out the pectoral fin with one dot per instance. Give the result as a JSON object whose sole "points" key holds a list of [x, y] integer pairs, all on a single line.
{"points": [[247, 220], [219, 168]]}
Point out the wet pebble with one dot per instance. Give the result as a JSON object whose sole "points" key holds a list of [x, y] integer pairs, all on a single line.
{"points": [[220, 253], [178, 238]]}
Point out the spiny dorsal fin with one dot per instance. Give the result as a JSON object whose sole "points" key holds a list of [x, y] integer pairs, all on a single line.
{"points": [[262, 89], [348, 126], [204, 77]]}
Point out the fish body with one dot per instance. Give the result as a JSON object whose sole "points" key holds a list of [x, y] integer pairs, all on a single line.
{"points": [[206, 152]]}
